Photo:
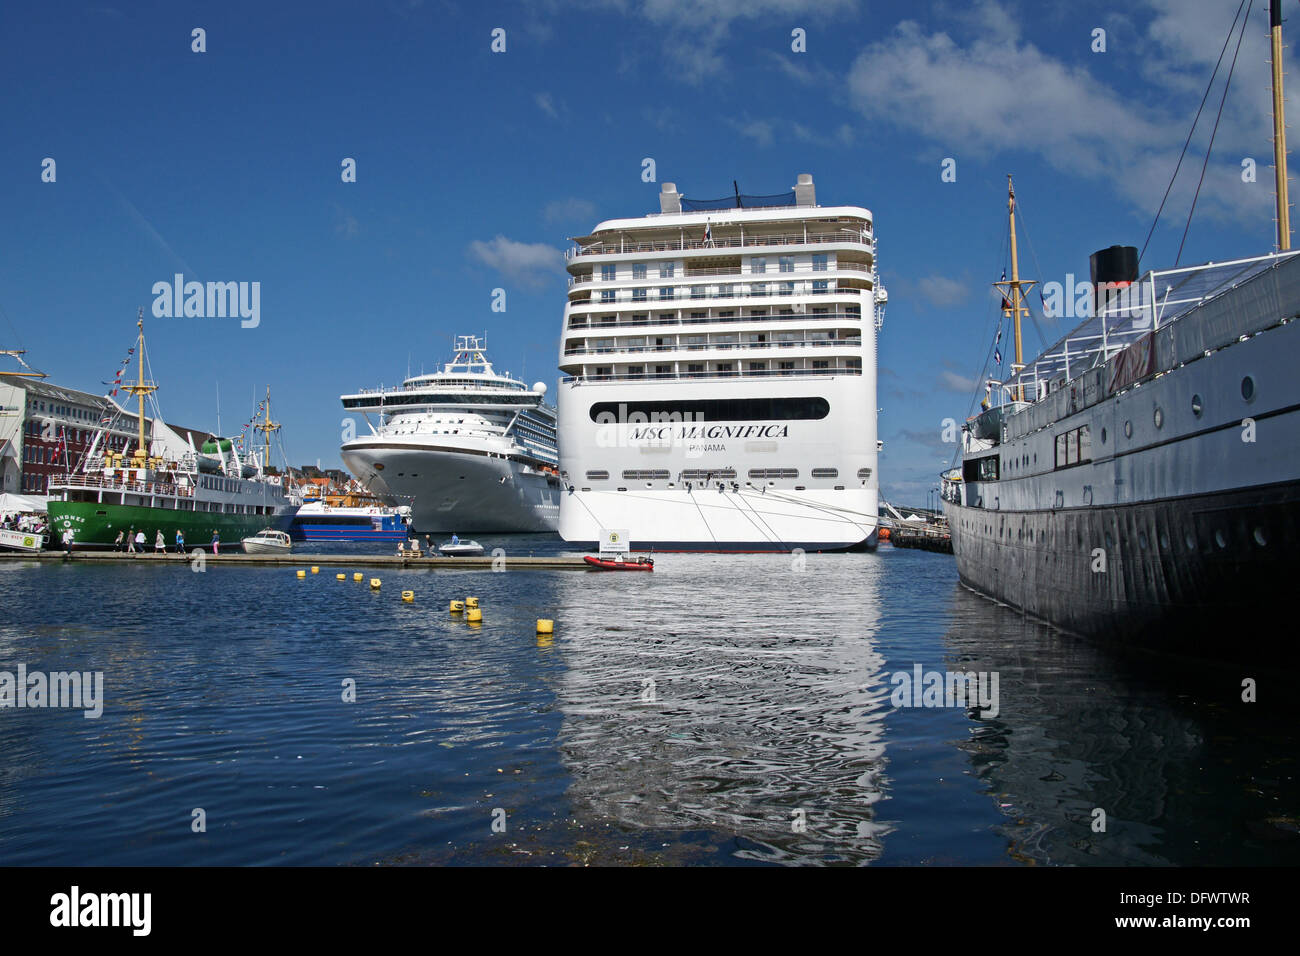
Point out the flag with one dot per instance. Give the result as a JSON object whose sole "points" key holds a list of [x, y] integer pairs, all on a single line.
{"points": [[708, 232], [997, 356]]}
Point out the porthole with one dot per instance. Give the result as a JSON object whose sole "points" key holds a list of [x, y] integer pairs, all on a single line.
{"points": [[1197, 407], [1142, 540], [1220, 539], [1191, 541], [1128, 429], [1164, 541], [1108, 540], [1248, 388], [1159, 417], [1260, 538], [1103, 434]]}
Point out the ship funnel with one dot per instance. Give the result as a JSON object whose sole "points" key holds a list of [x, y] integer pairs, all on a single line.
{"points": [[1113, 270], [805, 193], [670, 200]]}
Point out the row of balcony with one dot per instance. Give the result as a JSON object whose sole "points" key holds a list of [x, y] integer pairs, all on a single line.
{"points": [[691, 273], [579, 321], [704, 346], [623, 247], [713, 374], [698, 294]]}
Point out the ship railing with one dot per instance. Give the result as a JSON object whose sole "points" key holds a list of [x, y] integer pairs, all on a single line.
{"points": [[847, 237], [698, 294], [692, 273], [711, 373], [99, 483], [702, 346], [580, 321], [1164, 320]]}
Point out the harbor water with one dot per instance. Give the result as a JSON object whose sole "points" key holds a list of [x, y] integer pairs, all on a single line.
{"points": [[722, 710]]}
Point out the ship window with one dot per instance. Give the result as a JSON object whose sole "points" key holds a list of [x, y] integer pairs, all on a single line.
{"points": [[646, 475], [1248, 388], [1197, 408], [608, 273], [597, 476], [1159, 417], [638, 270], [721, 474], [666, 270], [774, 473], [825, 472], [758, 265], [864, 472]]}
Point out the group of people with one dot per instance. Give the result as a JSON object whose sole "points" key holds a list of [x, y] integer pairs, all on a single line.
{"points": [[27, 524], [135, 542], [414, 546]]}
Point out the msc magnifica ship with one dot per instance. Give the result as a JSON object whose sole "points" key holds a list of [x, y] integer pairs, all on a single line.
{"points": [[470, 449], [719, 376]]}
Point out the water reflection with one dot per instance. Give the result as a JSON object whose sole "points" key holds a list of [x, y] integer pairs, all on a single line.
{"points": [[1183, 770], [741, 697]]}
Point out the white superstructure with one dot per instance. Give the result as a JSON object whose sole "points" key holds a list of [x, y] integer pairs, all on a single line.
{"points": [[471, 450], [719, 376]]}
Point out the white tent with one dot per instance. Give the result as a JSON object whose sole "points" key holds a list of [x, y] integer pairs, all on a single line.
{"points": [[22, 504]]}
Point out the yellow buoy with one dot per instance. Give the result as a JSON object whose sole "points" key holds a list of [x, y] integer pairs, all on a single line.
{"points": [[374, 584], [302, 574], [356, 576], [315, 569], [474, 615], [457, 607], [544, 626], [408, 596], [471, 602], [341, 576]]}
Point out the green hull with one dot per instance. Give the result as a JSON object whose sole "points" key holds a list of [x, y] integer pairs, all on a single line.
{"points": [[96, 525]]}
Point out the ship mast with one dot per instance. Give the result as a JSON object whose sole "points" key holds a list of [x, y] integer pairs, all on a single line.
{"points": [[1279, 129], [140, 389], [1017, 288], [266, 426], [18, 355]]}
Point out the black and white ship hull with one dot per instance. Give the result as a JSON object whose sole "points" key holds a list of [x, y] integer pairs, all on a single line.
{"points": [[1153, 499]]}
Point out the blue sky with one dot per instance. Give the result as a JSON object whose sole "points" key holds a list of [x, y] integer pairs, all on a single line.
{"points": [[474, 167]]}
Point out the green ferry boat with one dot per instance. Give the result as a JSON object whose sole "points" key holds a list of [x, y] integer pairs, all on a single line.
{"points": [[168, 485]]}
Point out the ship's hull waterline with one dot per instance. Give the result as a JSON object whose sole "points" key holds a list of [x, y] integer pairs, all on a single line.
{"points": [[96, 525], [1183, 575], [458, 491]]}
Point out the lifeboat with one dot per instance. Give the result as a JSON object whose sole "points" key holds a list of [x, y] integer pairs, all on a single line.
{"points": [[618, 564]]}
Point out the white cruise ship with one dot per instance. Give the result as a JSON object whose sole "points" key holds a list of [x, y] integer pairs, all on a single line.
{"points": [[470, 449], [719, 376]]}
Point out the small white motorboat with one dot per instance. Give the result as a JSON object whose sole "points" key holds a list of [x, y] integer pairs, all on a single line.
{"points": [[459, 549], [268, 541]]}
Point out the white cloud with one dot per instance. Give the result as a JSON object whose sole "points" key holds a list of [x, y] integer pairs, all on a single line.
{"points": [[942, 291], [991, 91], [950, 381], [569, 210], [546, 103], [531, 264]]}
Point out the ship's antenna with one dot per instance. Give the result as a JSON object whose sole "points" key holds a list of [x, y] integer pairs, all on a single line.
{"points": [[1015, 306], [1279, 128]]}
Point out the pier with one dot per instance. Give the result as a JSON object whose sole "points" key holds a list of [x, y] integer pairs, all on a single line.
{"points": [[391, 561], [924, 539]]}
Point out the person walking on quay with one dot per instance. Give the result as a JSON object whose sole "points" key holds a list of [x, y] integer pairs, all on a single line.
{"points": [[216, 542], [159, 543], [428, 543], [139, 540], [180, 542], [117, 543], [67, 541], [130, 541]]}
